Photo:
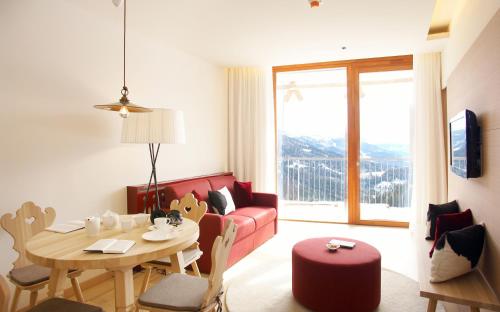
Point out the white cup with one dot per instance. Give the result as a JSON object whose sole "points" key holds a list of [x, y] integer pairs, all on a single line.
{"points": [[163, 224], [127, 224], [109, 221], [92, 225], [141, 219]]}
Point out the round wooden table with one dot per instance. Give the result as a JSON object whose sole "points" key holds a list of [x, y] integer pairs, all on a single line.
{"points": [[62, 252]]}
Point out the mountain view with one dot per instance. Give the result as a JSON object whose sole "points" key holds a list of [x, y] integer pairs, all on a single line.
{"points": [[314, 170]]}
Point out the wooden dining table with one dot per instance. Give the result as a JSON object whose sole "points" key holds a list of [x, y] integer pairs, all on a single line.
{"points": [[63, 252]]}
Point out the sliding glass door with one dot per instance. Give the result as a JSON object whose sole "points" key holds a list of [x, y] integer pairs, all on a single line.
{"points": [[385, 99], [311, 128], [342, 141]]}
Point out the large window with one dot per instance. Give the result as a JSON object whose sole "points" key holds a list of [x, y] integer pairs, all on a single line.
{"points": [[342, 135]]}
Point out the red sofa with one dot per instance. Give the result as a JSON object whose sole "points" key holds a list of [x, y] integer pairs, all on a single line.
{"points": [[256, 223]]}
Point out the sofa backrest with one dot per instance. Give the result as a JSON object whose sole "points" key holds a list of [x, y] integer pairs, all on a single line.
{"points": [[136, 194], [201, 186], [216, 183], [178, 190]]}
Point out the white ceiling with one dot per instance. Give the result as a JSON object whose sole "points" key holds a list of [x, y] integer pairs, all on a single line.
{"points": [[278, 32]]}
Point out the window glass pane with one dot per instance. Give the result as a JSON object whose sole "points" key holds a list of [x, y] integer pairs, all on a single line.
{"points": [[312, 121], [385, 162]]}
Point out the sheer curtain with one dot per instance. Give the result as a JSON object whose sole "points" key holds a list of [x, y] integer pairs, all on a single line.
{"points": [[428, 137], [250, 132]]}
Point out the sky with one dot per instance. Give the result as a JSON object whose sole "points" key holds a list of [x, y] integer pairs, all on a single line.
{"points": [[322, 113]]}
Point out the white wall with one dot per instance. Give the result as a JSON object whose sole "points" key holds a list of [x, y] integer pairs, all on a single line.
{"points": [[470, 19], [58, 58]]}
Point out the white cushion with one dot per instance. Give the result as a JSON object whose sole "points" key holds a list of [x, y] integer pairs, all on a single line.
{"points": [[446, 264], [229, 199], [457, 253]]}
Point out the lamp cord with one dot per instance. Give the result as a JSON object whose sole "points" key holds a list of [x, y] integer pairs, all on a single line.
{"points": [[124, 38]]}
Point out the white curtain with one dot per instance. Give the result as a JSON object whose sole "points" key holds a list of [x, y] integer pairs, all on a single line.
{"points": [[428, 137], [249, 129]]}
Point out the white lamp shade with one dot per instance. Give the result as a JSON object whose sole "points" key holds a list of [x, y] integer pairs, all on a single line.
{"points": [[159, 126]]}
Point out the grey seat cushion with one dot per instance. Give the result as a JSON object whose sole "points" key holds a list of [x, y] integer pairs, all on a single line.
{"points": [[178, 292], [30, 275], [64, 305], [189, 255]]}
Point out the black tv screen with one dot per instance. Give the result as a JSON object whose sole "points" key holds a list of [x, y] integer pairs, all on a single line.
{"points": [[465, 145]]}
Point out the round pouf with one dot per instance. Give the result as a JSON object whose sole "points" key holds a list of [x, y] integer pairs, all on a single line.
{"points": [[343, 280]]}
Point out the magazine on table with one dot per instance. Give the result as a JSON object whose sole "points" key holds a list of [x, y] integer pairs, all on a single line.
{"points": [[342, 243]]}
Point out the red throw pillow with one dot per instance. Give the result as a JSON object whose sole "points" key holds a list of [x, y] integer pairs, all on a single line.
{"points": [[197, 196], [451, 222], [243, 194]]}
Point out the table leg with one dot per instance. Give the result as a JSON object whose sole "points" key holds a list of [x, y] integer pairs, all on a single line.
{"points": [[56, 282], [431, 307], [124, 290], [177, 261]]}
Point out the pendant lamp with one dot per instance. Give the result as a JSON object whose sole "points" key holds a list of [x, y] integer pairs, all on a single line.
{"points": [[124, 106]]}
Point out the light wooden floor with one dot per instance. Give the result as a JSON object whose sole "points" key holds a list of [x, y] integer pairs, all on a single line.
{"points": [[103, 295]]}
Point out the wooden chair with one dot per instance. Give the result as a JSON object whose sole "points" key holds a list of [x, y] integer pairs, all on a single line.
{"points": [[29, 221], [191, 209], [181, 292], [50, 305]]}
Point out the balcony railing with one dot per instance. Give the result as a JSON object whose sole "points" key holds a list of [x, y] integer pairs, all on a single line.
{"points": [[315, 179]]}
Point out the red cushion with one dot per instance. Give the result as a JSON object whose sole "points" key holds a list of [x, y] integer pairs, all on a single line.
{"points": [[197, 196], [246, 225], [243, 194], [451, 222], [345, 280], [219, 182], [261, 215], [178, 190]]}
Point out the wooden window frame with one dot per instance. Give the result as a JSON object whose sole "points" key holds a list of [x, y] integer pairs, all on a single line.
{"points": [[354, 68]]}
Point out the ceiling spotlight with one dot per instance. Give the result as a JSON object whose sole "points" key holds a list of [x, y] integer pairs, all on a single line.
{"points": [[315, 3]]}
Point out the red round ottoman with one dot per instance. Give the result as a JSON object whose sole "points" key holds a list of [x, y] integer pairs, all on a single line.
{"points": [[343, 280]]}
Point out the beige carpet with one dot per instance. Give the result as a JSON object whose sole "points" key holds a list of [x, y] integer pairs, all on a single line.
{"points": [[267, 287], [270, 290]]}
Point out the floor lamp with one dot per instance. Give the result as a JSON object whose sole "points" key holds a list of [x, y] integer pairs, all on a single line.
{"points": [[161, 126]]}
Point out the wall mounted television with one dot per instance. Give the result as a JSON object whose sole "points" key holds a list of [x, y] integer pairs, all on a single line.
{"points": [[465, 145]]}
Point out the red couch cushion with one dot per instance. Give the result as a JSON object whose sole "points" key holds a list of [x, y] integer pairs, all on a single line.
{"points": [[243, 195], [219, 182], [246, 225], [261, 215], [178, 190], [451, 222]]}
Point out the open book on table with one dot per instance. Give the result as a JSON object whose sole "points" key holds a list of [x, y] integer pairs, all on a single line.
{"points": [[111, 246]]}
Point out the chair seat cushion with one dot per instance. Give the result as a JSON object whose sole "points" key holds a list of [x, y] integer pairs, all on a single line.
{"points": [[30, 275], [177, 292], [190, 255], [261, 215], [246, 225], [64, 305]]}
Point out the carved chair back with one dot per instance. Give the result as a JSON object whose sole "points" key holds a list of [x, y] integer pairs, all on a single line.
{"points": [[189, 207], [29, 221], [220, 253]]}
